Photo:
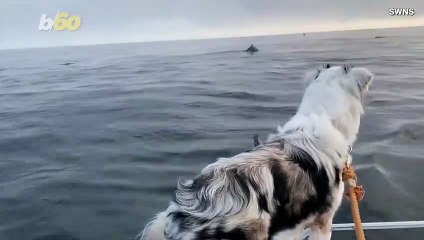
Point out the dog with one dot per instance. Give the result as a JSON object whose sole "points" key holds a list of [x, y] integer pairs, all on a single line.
{"points": [[290, 182]]}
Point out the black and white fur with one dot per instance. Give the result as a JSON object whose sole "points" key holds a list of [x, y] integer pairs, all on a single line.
{"points": [[282, 186]]}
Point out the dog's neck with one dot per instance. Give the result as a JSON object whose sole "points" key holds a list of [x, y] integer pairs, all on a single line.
{"points": [[330, 136]]}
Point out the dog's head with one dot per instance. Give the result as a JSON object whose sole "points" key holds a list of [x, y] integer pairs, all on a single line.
{"points": [[338, 92], [356, 80]]}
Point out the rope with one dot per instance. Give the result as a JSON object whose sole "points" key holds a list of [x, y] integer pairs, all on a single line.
{"points": [[356, 194]]}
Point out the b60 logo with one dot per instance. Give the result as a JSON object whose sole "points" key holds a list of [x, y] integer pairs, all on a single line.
{"points": [[62, 22]]}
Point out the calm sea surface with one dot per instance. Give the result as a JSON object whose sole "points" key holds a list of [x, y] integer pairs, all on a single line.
{"points": [[93, 139]]}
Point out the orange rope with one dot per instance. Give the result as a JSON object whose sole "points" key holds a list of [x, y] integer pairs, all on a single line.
{"points": [[356, 194]]}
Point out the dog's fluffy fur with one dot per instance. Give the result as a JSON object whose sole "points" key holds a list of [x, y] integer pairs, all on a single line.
{"points": [[282, 186]]}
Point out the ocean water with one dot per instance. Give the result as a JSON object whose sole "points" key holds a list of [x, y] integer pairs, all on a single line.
{"points": [[94, 138]]}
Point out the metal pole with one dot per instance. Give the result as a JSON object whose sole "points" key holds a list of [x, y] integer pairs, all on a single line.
{"points": [[379, 225]]}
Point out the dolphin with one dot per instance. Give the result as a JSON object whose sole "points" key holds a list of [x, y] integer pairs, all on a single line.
{"points": [[252, 49]]}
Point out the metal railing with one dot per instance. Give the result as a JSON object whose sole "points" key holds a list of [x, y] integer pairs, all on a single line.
{"points": [[379, 225], [371, 226]]}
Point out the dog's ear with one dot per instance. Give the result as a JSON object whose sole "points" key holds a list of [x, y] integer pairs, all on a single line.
{"points": [[311, 75], [363, 78], [347, 67]]}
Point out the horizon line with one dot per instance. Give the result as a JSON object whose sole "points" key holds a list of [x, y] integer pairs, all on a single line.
{"points": [[208, 38]]}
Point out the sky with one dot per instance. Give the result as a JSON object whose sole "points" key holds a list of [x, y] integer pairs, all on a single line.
{"points": [[114, 21]]}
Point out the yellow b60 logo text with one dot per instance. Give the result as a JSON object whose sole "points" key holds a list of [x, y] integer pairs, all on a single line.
{"points": [[63, 21]]}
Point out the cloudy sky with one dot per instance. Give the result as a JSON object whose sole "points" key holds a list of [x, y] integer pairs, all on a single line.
{"points": [[109, 21]]}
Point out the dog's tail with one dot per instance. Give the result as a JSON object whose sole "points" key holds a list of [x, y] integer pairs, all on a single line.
{"points": [[155, 229]]}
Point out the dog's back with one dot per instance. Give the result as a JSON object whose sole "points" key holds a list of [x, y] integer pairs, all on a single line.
{"points": [[220, 203], [239, 198]]}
